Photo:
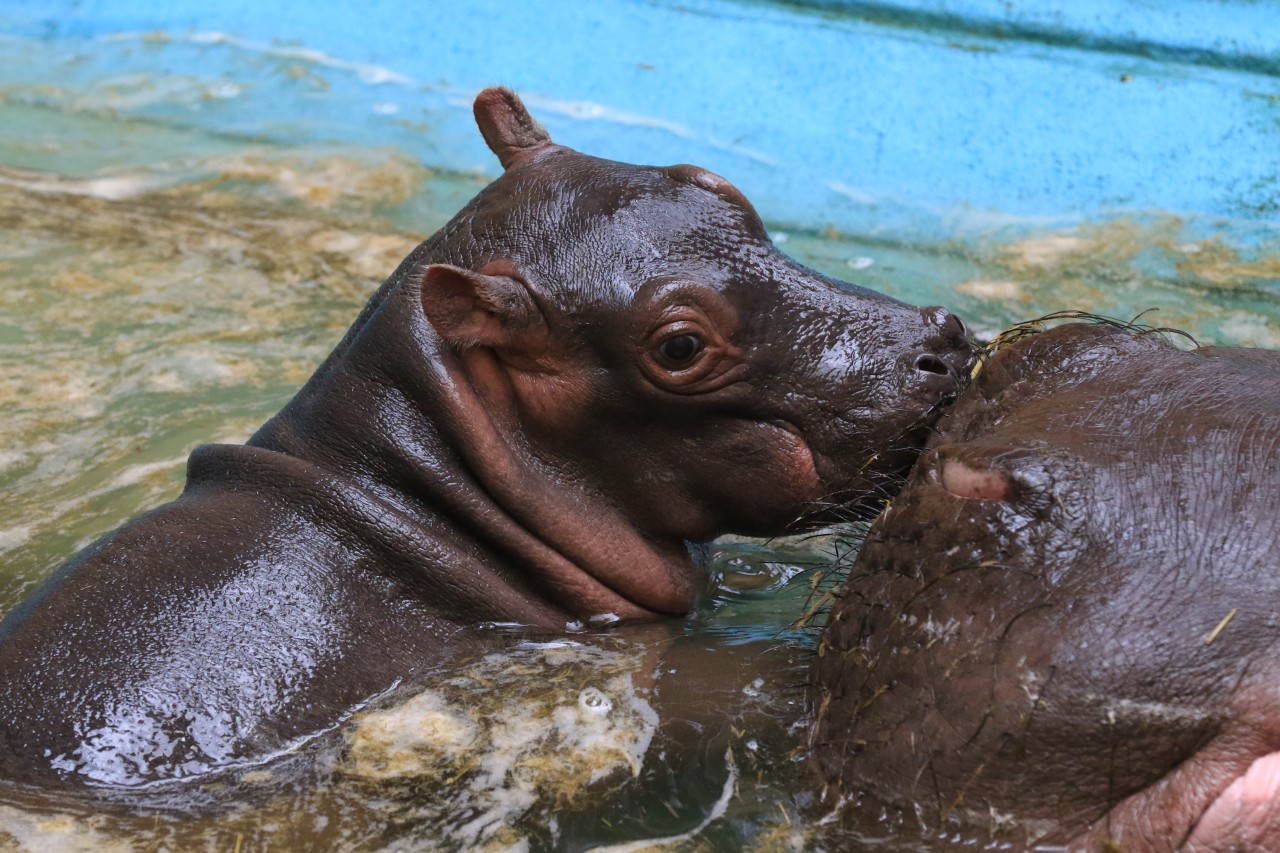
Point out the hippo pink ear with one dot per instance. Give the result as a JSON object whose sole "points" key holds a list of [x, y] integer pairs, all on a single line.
{"points": [[508, 129], [975, 484], [471, 309]]}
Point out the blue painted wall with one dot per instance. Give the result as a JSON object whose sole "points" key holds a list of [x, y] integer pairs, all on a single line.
{"points": [[908, 119]]}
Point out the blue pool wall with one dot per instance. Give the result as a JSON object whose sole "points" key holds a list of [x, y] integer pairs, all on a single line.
{"points": [[904, 120]]}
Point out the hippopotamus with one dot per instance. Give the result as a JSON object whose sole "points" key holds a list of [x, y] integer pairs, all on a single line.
{"points": [[1062, 634], [589, 367]]}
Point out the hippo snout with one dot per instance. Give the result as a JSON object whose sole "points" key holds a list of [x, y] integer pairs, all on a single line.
{"points": [[941, 365]]}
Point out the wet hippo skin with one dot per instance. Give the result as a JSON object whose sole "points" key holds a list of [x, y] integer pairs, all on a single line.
{"points": [[590, 366], [1063, 632]]}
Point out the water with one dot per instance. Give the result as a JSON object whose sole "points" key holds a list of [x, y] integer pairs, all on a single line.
{"points": [[167, 286]]}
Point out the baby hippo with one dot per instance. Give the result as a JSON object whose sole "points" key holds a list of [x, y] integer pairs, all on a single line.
{"points": [[590, 366], [1064, 634]]}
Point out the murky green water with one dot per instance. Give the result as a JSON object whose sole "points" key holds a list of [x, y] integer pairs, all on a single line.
{"points": [[164, 288]]}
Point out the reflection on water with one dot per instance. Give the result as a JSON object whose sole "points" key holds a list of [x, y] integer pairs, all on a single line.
{"points": [[149, 309]]}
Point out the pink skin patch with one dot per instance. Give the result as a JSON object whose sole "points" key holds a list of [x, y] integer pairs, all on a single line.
{"points": [[1246, 816], [974, 484]]}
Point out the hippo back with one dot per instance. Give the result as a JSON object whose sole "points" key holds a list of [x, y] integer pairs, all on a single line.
{"points": [[1064, 628]]}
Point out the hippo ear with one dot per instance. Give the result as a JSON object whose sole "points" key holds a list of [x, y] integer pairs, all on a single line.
{"points": [[471, 309], [976, 484], [508, 129]]}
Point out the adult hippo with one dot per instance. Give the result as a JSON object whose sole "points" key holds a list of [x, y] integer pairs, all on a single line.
{"points": [[591, 365], [1063, 633]]}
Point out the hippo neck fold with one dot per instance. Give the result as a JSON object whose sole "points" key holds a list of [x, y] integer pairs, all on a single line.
{"points": [[396, 413]]}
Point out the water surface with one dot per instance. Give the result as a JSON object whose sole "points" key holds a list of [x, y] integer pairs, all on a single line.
{"points": [[165, 287]]}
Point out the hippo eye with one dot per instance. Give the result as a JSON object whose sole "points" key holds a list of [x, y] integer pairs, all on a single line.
{"points": [[680, 348]]}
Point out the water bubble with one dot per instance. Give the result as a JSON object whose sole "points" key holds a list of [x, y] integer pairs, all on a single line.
{"points": [[593, 701], [603, 620]]}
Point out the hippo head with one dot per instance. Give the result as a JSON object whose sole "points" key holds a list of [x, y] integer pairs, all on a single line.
{"points": [[632, 365], [1063, 631], [651, 341]]}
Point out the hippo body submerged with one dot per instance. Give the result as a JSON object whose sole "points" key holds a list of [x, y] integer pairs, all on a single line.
{"points": [[591, 365], [1063, 633]]}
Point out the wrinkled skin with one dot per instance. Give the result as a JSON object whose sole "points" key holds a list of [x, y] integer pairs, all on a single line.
{"points": [[1028, 647], [590, 366]]}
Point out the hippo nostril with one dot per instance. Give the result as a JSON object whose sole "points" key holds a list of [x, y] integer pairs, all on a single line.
{"points": [[930, 363], [949, 324]]}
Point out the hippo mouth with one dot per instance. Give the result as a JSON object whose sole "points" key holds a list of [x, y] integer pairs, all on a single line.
{"points": [[1243, 816], [859, 491]]}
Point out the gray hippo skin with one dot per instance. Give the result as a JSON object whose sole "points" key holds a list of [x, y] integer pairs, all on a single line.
{"points": [[1062, 634], [591, 365]]}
